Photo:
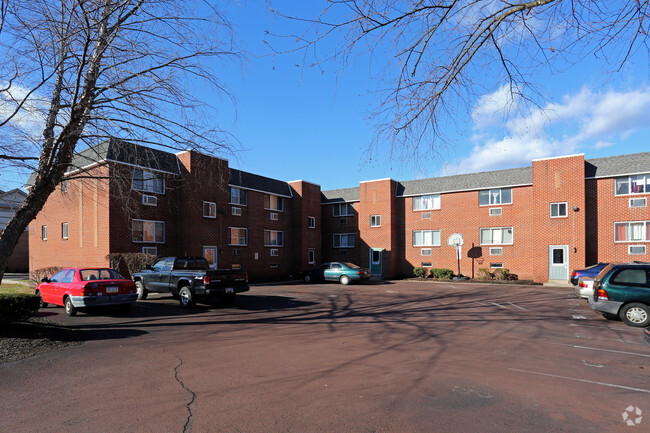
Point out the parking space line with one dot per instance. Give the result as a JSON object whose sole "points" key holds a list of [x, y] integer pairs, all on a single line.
{"points": [[517, 306], [498, 305], [611, 385], [609, 350]]}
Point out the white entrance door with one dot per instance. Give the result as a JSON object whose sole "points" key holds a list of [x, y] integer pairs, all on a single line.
{"points": [[558, 262], [210, 254]]}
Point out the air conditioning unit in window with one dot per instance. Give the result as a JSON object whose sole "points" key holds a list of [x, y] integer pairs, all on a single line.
{"points": [[150, 200], [150, 250], [639, 202], [495, 211], [274, 216], [426, 215], [275, 252], [496, 251], [236, 211], [636, 249]]}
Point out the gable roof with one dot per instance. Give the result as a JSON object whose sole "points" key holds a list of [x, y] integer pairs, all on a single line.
{"points": [[618, 165], [255, 182]]}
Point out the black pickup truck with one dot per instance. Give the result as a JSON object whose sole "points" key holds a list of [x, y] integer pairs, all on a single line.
{"points": [[190, 279]]}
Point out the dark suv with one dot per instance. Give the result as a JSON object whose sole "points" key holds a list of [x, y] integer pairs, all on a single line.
{"points": [[623, 290]]}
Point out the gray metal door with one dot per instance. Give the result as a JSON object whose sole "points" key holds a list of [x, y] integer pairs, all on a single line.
{"points": [[558, 262], [375, 261]]}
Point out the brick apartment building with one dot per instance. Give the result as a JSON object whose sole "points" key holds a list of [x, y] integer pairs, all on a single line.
{"points": [[10, 201], [538, 221]]}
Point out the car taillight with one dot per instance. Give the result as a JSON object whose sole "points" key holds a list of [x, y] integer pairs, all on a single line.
{"points": [[582, 284], [247, 278], [602, 295], [86, 291], [206, 280]]}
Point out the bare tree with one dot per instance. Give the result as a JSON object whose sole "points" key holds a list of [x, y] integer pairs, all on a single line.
{"points": [[76, 72], [433, 58]]}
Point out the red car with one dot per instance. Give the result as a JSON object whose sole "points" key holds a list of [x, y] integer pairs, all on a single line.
{"points": [[75, 288]]}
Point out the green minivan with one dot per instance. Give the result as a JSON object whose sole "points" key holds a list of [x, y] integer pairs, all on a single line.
{"points": [[623, 290]]}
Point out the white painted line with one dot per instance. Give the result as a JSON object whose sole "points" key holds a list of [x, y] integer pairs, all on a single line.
{"points": [[611, 385], [517, 306], [612, 351], [498, 305]]}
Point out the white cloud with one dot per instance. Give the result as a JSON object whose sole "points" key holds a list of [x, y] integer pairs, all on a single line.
{"points": [[583, 120], [31, 117]]}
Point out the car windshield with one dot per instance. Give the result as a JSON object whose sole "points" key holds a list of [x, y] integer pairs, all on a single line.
{"points": [[352, 265], [99, 274]]}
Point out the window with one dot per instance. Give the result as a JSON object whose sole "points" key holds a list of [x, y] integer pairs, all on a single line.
{"points": [[236, 211], [636, 250], [64, 185], [496, 265], [149, 200], [426, 202], [632, 185], [44, 233], [150, 250], [639, 202], [148, 231], [496, 251], [558, 210], [311, 222], [148, 181], [375, 220], [237, 196], [311, 256], [491, 197], [236, 251], [238, 236], [496, 236], [64, 230], [273, 238], [273, 202], [426, 251], [637, 231], [630, 277], [68, 278], [342, 209], [426, 264], [274, 266], [274, 216], [344, 240], [209, 209], [426, 238], [275, 252]]}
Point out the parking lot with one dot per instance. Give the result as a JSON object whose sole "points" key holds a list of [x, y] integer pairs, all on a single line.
{"points": [[375, 357]]}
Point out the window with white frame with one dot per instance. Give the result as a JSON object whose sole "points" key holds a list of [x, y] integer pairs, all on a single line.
{"points": [[496, 251], [426, 202], [150, 250], [274, 216], [209, 209], [559, 210], [64, 230], [311, 222], [311, 256], [149, 200], [273, 238], [639, 184], [148, 181], [237, 196], [275, 252], [238, 236], [342, 209], [639, 202], [375, 220], [634, 250], [148, 231], [496, 236], [273, 202], [496, 211], [44, 233], [635, 231], [236, 211], [426, 238], [496, 265], [344, 240], [497, 196]]}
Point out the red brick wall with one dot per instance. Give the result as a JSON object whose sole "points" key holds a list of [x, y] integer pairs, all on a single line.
{"points": [[306, 203], [347, 224], [378, 198], [19, 259]]}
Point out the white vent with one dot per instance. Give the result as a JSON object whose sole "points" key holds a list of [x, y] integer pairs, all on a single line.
{"points": [[274, 216], [639, 202], [150, 200], [275, 252], [425, 251], [150, 250], [634, 250], [274, 266], [495, 211], [496, 265], [496, 251], [426, 215], [236, 211]]}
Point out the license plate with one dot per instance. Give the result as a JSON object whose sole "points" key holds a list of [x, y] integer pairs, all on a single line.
{"points": [[230, 290], [112, 289]]}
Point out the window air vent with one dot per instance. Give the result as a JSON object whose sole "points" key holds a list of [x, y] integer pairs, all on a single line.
{"points": [[495, 211], [639, 202], [236, 211], [150, 200]]}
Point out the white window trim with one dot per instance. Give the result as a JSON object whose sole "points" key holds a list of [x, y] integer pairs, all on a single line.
{"points": [[238, 189], [147, 250], [493, 251], [644, 231], [629, 250], [426, 245], [149, 200], [375, 218], [154, 232], [64, 230], [236, 211], [274, 252], [435, 199], [346, 235], [566, 207], [645, 202], [278, 198], [44, 233], [211, 205], [480, 238], [311, 256], [273, 245], [502, 203], [311, 222], [230, 229], [496, 267], [629, 184]]}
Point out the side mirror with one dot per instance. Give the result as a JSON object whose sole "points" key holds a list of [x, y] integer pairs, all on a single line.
{"points": [[45, 280]]}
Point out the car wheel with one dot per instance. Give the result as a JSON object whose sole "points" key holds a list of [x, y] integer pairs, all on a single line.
{"points": [[70, 309], [345, 280], [635, 314], [142, 292], [307, 278], [185, 297], [41, 304]]}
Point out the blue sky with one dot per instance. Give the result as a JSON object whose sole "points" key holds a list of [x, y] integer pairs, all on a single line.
{"points": [[313, 124]]}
